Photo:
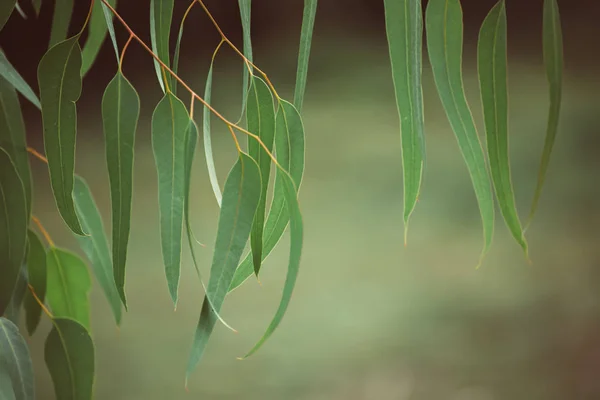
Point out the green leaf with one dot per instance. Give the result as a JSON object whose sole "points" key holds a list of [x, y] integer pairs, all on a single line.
{"points": [[108, 18], [241, 195], [296, 239], [553, 60], [60, 87], [6, 390], [36, 275], [8, 72], [20, 11], [6, 9], [306, 32], [404, 27], [169, 125], [120, 115], [492, 67], [13, 137], [16, 361], [68, 286], [95, 246], [444, 26], [245, 7], [13, 227], [69, 355], [13, 311], [37, 6], [96, 35], [63, 11], [289, 145], [208, 152], [161, 14], [260, 115]]}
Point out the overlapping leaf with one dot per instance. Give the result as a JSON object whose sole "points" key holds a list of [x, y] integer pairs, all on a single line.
{"points": [[68, 286], [306, 33], [208, 151], [13, 311], [404, 27], [97, 33], [241, 195], [8, 72], [6, 9], [95, 245], [161, 14], [36, 276], [120, 114], [245, 7], [60, 87], [69, 354], [444, 26], [63, 11], [15, 361]]}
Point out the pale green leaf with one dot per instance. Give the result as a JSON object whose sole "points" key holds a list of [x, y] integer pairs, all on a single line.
{"points": [[20, 11], [6, 9], [36, 275], [8, 72], [241, 195], [161, 14], [120, 115], [306, 33], [63, 11], [6, 389], [404, 27], [245, 7], [208, 151], [68, 286], [69, 356], [108, 18], [444, 27], [15, 361], [96, 35]]}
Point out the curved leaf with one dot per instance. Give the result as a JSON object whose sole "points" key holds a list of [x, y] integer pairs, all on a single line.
{"points": [[6, 9], [161, 14], [60, 87], [245, 7], [404, 26], [68, 286], [97, 34], [8, 72], [69, 355], [260, 115], [108, 18], [240, 200], [14, 356], [170, 122], [13, 228], [208, 152], [36, 275], [120, 115], [444, 26], [95, 246], [306, 33], [63, 11]]}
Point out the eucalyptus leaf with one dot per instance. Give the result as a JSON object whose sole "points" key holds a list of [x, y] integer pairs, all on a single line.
{"points": [[60, 87], [120, 115], [443, 20], [108, 18], [96, 34], [69, 354], [13, 228], [161, 15], [63, 11], [245, 7], [6, 390], [306, 33], [37, 6], [208, 151], [8, 72], [36, 276], [68, 286], [13, 311], [20, 11], [6, 9], [16, 361], [241, 195]]}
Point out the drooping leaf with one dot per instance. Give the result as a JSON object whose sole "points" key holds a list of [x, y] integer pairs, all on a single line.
{"points": [[108, 18], [306, 33], [120, 115], [63, 11], [404, 27], [8, 72], [15, 361], [289, 145], [444, 27], [208, 152], [161, 14], [13, 227], [169, 124], [13, 137], [20, 11], [60, 87], [36, 276], [296, 240], [68, 286], [245, 7], [37, 6], [260, 115], [6, 9], [97, 33], [13, 311], [69, 355], [95, 246], [241, 195], [553, 60], [492, 67]]}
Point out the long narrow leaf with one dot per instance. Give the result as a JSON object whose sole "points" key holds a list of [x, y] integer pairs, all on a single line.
{"points": [[36, 275], [97, 33], [63, 11], [245, 7], [108, 18], [37, 6], [13, 311], [8, 72], [60, 87], [6, 9], [306, 33], [14, 356], [208, 151], [444, 42], [161, 14]]}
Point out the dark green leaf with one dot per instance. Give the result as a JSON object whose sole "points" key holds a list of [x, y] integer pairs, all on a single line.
{"points": [[36, 275], [13, 227], [6, 9], [208, 152], [260, 116], [60, 87], [245, 15], [69, 355], [63, 10], [13, 311], [120, 114], [15, 361], [96, 35], [108, 18], [161, 14], [68, 286], [8, 72], [241, 195], [169, 125], [95, 246], [308, 23], [37, 6], [404, 26], [444, 42]]}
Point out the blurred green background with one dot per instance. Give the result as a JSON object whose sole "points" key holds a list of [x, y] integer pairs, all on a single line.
{"points": [[370, 319]]}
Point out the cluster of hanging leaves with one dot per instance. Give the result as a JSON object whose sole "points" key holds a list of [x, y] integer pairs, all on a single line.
{"points": [[37, 277]]}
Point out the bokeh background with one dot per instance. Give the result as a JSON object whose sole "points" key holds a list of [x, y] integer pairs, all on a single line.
{"points": [[370, 319]]}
